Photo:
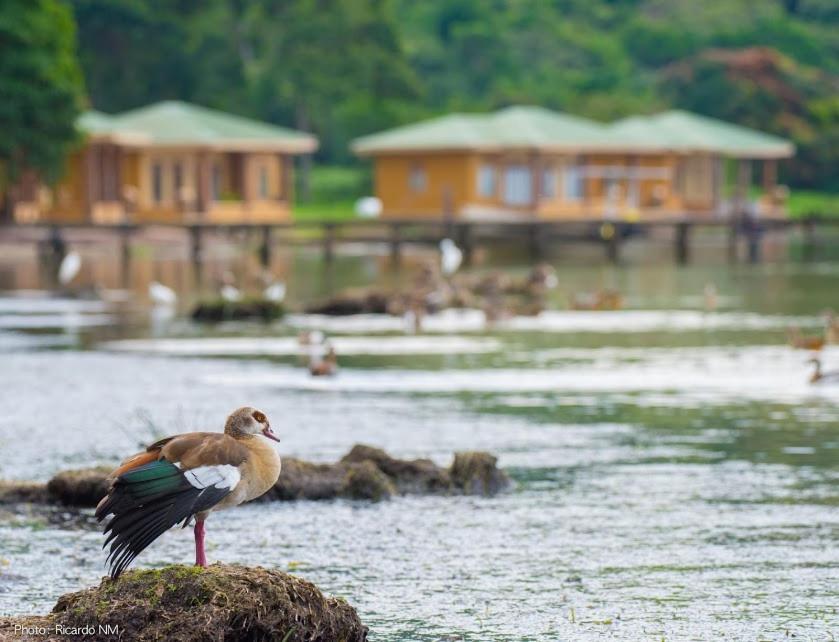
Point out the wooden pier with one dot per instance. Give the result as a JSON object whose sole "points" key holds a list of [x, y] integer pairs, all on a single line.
{"points": [[539, 238]]}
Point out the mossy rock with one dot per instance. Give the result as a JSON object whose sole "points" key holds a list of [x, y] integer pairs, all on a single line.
{"points": [[83, 487], [189, 604], [411, 476], [14, 492], [350, 303], [366, 481], [304, 480], [256, 308], [477, 473]]}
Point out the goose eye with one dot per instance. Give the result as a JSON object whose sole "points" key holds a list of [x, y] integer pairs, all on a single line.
{"points": [[259, 417]]}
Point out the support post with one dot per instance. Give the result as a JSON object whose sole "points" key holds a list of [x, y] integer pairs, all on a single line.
{"points": [[265, 247], [613, 247], [125, 256], [465, 242], [536, 233], [753, 234], [396, 244], [809, 228], [610, 233], [733, 238], [196, 245], [329, 242], [682, 243]]}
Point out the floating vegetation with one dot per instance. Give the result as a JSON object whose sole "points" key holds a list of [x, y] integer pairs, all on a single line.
{"points": [[248, 308]]}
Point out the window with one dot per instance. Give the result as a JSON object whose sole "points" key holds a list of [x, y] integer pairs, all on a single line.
{"points": [[486, 181], [216, 182], [263, 182], [548, 182], [518, 185], [157, 182], [573, 188], [417, 179]]}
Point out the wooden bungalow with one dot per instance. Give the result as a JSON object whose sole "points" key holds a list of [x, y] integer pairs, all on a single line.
{"points": [[529, 161], [171, 162]]}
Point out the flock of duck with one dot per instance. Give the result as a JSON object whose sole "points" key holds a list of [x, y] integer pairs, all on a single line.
{"points": [[439, 286]]}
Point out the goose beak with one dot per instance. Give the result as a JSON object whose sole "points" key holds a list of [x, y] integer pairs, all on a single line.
{"points": [[270, 433]]}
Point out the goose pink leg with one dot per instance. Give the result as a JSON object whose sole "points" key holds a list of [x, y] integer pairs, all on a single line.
{"points": [[200, 557]]}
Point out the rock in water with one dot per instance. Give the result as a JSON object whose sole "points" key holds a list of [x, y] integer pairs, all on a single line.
{"points": [[190, 604], [411, 476], [366, 481], [476, 473], [22, 492], [472, 473], [84, 487]]}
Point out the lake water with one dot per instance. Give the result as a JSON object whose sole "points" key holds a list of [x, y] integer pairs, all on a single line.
{"points": [[676, 476]]}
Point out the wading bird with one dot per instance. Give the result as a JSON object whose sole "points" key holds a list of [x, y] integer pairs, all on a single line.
{"points": [[69, 268], [803, 342], [822, 377], [187, 476], [227, 290], [324, 366], [275, 292], [450, 257], [162, 295]]}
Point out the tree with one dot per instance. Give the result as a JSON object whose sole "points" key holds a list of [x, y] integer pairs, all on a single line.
{"points": [[41, 88], [316, 57]]}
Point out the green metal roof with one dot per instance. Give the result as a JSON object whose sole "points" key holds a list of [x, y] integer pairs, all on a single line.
{"points": [[514, 127], [180, 124], [543, 129], [683, 131], [95, 122], [103, 127]]}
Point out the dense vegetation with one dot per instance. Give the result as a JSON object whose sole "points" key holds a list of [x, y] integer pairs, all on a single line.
{"points": [[343, 68], [40, 88]]}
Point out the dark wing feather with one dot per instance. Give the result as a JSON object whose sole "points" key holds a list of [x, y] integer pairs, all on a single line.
{"points": [[146, 502]]}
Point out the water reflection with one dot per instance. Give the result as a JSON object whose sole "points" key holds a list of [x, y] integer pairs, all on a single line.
{"points": [[676, 476]]}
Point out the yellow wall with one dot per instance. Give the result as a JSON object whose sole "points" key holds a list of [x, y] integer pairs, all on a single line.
{"points": [[656, 195], [67, 201], [448, 178]]}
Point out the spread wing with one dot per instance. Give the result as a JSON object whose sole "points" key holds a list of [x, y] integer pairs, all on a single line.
{"points": [[168, 484]]}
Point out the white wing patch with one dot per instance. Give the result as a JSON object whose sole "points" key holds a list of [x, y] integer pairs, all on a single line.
{"points": [[224, 476]]}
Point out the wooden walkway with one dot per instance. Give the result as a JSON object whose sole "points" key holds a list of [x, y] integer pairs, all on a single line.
{"points": [[538, 237]]}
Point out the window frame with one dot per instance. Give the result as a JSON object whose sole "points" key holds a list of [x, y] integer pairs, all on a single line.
{"points": [[487, 180], [417, 178]]}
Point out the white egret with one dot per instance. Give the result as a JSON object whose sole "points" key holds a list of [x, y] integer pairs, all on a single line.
{"points": [[230, 293], [450, 257], [162, 295], [368, 207], [275, 292], [69, 268]]}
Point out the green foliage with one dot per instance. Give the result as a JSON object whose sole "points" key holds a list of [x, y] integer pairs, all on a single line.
{"points": [[805, 203], [344, 68], [40, 85], [335, 189]]}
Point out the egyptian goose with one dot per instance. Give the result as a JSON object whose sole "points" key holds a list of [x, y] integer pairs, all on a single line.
{"points": [[803, 342], [186, 476], [599, 301], [822, 377], [326, 366], [709, 297]]}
